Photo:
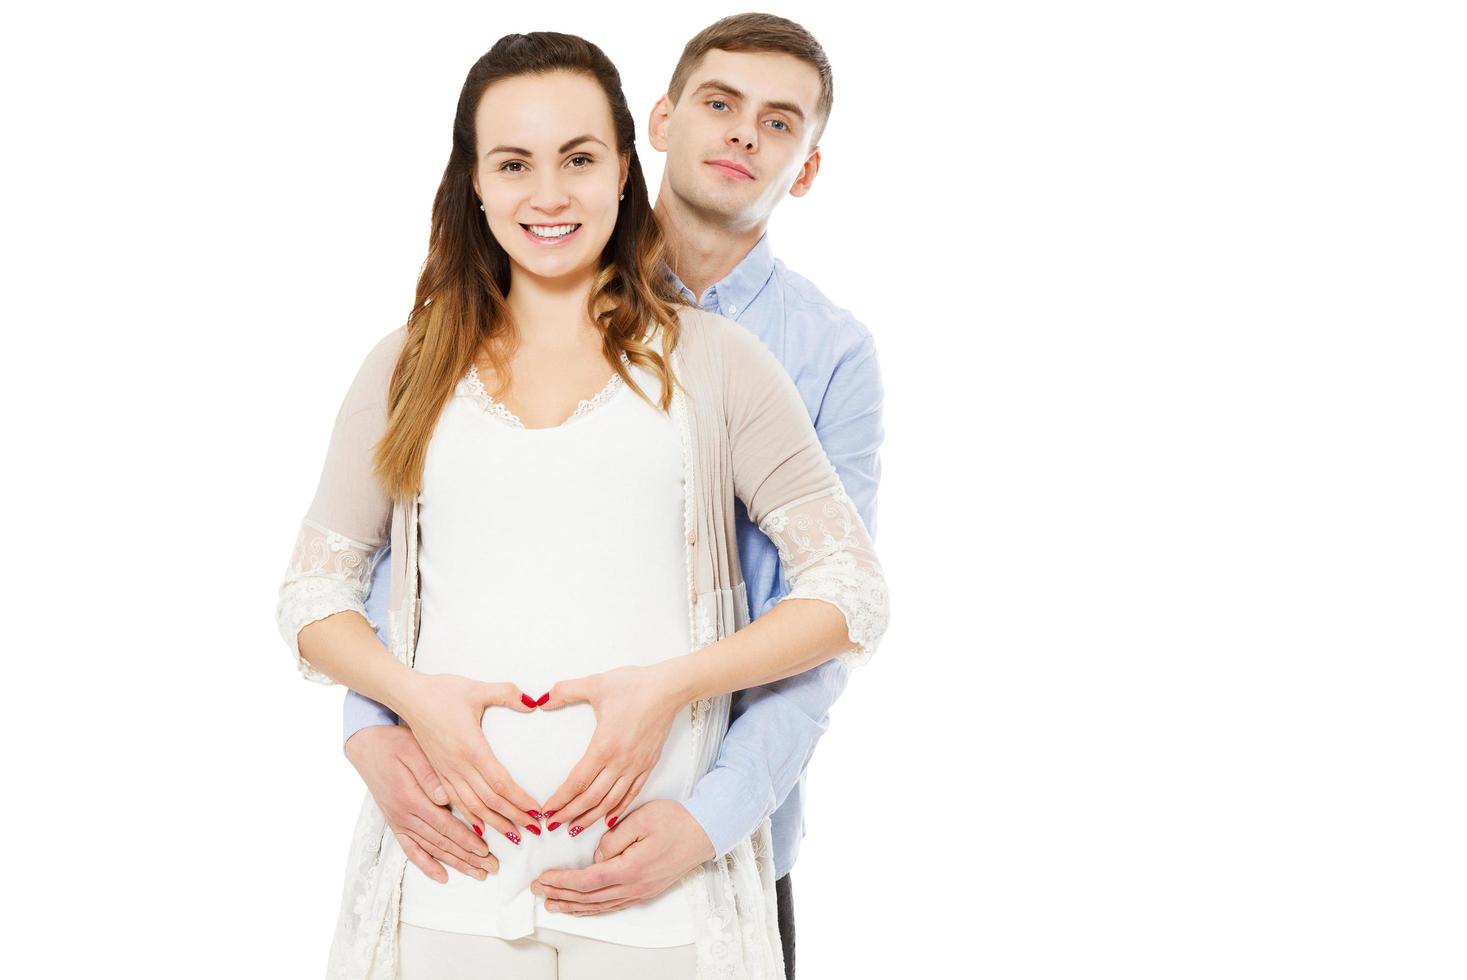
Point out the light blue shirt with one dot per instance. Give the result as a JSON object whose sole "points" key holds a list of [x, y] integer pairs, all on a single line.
{"points": [[773, 729]]}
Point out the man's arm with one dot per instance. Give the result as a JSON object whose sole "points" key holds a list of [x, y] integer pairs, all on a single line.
{"points": [[773, 728], [359, 711]]}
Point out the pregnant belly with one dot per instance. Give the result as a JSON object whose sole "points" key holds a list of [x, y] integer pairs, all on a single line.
{"points": [[539, 749]]}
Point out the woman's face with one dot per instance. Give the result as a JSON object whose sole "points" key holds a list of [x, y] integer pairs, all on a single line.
{"points": [[548, 173]]}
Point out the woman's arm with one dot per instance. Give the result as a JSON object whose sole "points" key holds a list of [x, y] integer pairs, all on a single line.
{"points": [[345, 527], [837, 603]]}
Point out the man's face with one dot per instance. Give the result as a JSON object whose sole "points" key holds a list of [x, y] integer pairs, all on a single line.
{"points": [[738, 139]]}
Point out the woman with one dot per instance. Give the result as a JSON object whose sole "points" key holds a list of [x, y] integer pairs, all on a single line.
{"points": [[557, 530]]}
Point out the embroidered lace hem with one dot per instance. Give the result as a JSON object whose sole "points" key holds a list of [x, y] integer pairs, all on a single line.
{"points": [[328, 573], [827, 554]]}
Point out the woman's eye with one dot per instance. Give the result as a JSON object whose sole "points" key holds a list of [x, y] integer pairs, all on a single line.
{"points": [[582, 156], [511, 163]]}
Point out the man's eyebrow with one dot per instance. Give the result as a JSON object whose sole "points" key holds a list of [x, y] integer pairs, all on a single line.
{"points": [[789, 107], [563, 147]]}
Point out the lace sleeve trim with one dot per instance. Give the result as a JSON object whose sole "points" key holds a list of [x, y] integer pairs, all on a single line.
{"points": [[827, 554], [328, 573]]}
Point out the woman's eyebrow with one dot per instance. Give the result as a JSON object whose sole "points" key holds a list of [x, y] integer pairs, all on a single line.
{"points": [[563, 147]]}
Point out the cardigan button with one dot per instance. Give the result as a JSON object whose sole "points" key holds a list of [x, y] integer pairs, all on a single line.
{"points": [[692, 537]]}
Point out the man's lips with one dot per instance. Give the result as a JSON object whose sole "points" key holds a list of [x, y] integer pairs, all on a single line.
{"points": [[730, 166]]}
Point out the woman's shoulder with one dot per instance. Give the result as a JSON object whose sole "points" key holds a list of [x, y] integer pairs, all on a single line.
{"points": [[722, 343], [369, 387]]}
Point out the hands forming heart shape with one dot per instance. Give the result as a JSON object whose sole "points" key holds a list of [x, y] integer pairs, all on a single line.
{"points": [[635, 708]]}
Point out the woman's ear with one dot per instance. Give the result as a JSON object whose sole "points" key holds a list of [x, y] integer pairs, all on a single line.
{"points": [[626, 164]]}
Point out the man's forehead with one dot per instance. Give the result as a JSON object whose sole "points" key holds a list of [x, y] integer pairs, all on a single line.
{"points": [[765, 76]]}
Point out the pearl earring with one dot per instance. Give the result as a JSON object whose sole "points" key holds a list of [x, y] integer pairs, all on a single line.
{"points": [[622, 197], [481, 207]]}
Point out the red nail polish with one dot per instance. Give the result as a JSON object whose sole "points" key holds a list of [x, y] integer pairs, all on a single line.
{"points": [[611, 821], [543, 698], [535, 813], [512, 836], [533, 828], [527, 701], [550, 813], [576, 830], [553, 826], [478, 830]]}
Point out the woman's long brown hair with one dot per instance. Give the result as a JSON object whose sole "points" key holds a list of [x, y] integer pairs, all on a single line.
{"points": [[460, 306]]}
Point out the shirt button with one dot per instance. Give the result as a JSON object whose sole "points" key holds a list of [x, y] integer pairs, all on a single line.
{"points": [[732, 309]]}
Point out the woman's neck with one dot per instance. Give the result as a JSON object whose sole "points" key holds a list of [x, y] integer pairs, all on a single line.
{"points": [[550, 314]]}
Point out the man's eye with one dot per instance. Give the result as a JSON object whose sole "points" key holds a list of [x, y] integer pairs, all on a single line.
{"points": [[718, 102], [781, 122]]}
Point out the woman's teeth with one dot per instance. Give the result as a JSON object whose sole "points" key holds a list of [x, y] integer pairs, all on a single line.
{"points": [[551, 231]]}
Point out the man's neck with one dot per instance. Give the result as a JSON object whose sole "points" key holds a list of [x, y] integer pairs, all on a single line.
{"points": [[699, 251]]}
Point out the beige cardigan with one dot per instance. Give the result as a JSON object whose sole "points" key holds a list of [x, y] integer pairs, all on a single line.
{"points": [[745, 433]]}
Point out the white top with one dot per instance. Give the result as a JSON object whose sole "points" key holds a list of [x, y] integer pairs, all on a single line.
{"points": [[547, 554]]}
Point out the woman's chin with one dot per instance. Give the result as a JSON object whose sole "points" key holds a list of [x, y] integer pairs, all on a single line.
{"points": [[552, 267]]}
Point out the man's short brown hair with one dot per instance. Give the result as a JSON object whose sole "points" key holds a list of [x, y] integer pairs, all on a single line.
{"points": [[758, 33]]}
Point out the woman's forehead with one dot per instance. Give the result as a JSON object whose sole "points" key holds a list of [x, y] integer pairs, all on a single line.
{"points": [[540, 112]]}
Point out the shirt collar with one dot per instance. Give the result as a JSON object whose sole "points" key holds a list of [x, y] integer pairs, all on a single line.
{"points": [[732, 294]]}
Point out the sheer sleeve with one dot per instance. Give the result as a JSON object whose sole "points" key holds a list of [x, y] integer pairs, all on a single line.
{"points": [[345, 529], [794, 495]]}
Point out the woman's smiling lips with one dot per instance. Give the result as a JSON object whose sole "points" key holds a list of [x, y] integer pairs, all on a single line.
{"points": [[731, 169], [550, 242]]}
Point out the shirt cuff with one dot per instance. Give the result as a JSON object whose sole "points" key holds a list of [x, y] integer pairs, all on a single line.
{"points": [[727, 805], [362, 712]]}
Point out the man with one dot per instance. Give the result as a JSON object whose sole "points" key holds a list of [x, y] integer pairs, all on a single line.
{"points": [[740, 125]]}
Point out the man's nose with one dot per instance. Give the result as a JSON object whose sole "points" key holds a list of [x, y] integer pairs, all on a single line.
{"points": [[743, 135]]}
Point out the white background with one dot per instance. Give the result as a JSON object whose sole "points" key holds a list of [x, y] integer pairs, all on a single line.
{"points": [[1169, 304]]}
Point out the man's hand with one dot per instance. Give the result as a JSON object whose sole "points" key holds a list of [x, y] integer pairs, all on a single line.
{"points": [[648, 850], [403, 783]]}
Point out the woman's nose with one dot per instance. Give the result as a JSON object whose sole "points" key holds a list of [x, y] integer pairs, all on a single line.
{"points": [[549, 196]]}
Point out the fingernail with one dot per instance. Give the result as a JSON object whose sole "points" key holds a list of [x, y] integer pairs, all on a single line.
{"points": [[549, 813], [533, 828], [553, 826], [535, 813], [543, 698], [611, 821], [527, 701], [512, 836], [576, 830], [478, 830]]}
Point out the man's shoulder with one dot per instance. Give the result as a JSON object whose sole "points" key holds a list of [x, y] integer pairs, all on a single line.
{"points": [[811, 315]]}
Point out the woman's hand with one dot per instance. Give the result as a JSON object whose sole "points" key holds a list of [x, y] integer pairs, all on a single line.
{"points": [[635, 708], [446, 714]]}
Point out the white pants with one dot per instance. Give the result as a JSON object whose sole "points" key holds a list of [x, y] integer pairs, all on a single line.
{"points": [[546, 954]]}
